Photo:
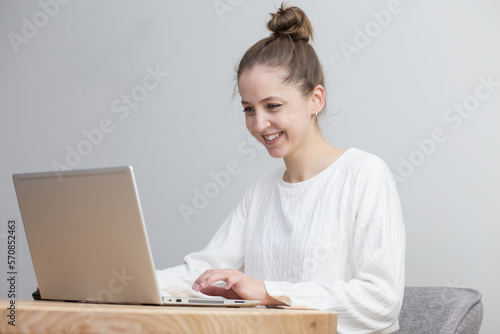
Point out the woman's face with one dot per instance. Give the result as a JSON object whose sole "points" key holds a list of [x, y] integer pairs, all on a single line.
{"points": [[277, 114]]}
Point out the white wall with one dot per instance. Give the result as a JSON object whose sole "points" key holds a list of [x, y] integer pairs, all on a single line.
{"points": [[69, 74]]}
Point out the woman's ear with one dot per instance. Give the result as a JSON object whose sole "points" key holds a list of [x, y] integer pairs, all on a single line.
{"points": [[317, 99]]}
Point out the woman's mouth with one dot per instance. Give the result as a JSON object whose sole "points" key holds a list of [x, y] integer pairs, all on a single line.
{"points": [[272, 138]]}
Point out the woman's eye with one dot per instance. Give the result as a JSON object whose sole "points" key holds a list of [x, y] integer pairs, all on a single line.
{"points": [[248, 110], [273, 106]]}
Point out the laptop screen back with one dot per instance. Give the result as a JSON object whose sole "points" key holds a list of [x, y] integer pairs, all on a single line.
{"points": [[86, 235]]}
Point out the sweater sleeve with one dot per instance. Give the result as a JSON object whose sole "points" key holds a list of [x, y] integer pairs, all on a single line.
{"points": [[371, 301], [225, 250]]}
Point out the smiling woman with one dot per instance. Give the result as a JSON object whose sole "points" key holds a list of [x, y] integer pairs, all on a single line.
{"points": [[345, 201], [283, 121]]}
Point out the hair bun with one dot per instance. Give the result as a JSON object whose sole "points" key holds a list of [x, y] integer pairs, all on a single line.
{"points": [[291, 21]]}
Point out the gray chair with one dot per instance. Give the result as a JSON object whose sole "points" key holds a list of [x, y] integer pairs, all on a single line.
{"points": [[440, 310]]}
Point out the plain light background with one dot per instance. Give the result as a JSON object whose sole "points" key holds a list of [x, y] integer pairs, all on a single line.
{"points": [[67, 66]]}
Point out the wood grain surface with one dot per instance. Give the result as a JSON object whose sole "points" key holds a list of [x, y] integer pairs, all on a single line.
{"points": [[74, 318]]}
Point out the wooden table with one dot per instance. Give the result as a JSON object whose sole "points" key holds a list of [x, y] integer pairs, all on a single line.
{"points": [[60, 317]]}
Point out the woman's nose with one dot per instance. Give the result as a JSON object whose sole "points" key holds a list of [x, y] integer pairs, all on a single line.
{"points": [[261, 121]]}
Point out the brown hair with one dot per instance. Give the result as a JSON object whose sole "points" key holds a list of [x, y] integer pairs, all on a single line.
{"points": [[288, 49]]}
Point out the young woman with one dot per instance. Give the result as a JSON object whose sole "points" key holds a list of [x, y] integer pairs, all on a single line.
{"points": [[323, 232]]}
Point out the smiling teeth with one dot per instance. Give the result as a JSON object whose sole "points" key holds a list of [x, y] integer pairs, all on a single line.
{"points": [[271, 137]]}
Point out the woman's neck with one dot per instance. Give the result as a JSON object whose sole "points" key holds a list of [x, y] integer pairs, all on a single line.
{"points": [[310, 160]]}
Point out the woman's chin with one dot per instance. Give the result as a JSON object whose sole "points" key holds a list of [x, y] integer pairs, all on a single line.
{"points": [[275, 153]]}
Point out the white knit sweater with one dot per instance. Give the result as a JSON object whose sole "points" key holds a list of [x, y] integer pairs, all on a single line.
{"points": [[333, 242]]}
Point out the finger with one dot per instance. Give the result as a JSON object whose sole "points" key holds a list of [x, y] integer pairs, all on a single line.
{"points": [[229, 284], [233, 280], [205, 275], [213, 290], [197, 283], [211, 276]]}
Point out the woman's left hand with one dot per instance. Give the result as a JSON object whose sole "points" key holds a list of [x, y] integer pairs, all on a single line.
{"points": [[238, 286]]}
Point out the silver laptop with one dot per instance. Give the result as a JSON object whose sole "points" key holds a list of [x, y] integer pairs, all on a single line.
{"points": [[88, 241]]}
